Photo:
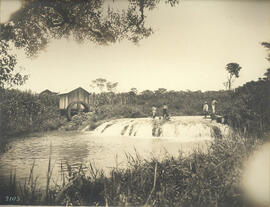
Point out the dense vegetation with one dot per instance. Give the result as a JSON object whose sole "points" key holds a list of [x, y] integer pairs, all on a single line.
{"points": [[249, 110], [246, 109], [179, 102], [25, 112]]}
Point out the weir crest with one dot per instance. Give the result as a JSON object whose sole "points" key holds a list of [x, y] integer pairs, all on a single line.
{"points": [[181, 127]]}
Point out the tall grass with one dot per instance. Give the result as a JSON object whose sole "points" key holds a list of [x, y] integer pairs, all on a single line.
{"points": [[199, 179]]}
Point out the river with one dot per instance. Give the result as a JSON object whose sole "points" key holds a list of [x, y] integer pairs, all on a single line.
{"points": [[104, 148]]}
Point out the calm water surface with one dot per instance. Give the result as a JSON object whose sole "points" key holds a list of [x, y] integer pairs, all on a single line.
{"points": [[74, 148]]}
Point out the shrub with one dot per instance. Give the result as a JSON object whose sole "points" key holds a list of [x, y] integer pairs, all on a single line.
{"points": [[78, 121]]}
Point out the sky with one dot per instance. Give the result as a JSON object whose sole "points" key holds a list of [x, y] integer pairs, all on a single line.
{"points": [[189, 50]]}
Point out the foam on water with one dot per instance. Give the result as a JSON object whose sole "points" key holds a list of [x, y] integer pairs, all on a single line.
{"points": [[115, 138], [183, 128]]}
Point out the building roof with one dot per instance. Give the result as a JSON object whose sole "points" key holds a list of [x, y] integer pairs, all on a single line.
{"points": [[47, 91], [79, 88]]}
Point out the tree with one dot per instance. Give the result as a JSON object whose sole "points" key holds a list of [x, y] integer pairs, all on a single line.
{"points": [[111, 87], [160, 91], [38, 21], [134, 90], [267, 45], [132, 95], [8, 74], [267, 74], [99, 83], [233, 70], [147, 93]]}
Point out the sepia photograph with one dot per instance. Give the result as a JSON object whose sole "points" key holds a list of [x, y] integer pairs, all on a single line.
{"points": [[135, 103]]}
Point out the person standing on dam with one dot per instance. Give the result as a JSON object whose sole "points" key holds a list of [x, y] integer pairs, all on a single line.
{"points": [[165, 112], [214, 102], [205, 109], [154, 112]]}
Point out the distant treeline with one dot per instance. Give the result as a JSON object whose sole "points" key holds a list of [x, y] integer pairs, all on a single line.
{"points": [[179, 102], [246, 109]]}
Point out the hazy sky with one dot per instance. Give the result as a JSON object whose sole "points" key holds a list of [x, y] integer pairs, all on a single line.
{"points": [[190, 48]]}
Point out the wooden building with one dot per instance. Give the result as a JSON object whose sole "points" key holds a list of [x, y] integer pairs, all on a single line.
{"points": [[47, 92], [75, 97]]}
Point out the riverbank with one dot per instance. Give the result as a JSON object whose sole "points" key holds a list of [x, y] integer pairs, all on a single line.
{"points": [[24, 112], [211, 178]]}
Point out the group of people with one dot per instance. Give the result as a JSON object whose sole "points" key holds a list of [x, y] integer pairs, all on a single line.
{"points": [[165, 113], [205, 108]]}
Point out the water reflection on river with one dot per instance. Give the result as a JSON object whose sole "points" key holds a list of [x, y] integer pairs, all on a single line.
{"points": [[83, 147]]}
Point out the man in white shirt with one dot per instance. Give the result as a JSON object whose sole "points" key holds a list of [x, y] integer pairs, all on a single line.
{"points": [[214, 102], [205, 109], [154, 112]]}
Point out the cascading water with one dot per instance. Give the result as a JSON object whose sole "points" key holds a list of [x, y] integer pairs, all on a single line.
{"points": [[185, 128], [108, 145]]}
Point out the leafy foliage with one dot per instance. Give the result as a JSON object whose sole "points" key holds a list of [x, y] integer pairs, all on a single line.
{"points": [[8, 75], [38, 21]]}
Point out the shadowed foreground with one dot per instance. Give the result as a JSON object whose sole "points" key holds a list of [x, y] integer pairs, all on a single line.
{"points": [[212, 178]]}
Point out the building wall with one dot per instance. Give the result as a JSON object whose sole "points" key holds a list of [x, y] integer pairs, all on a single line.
{"points": [[73, 96], [63, 102]]}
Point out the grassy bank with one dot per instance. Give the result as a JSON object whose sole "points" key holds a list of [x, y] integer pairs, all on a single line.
{"points": [[200, 179]]}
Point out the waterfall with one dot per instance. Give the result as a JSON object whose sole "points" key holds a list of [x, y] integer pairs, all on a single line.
{"points": [[182, 127]]}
